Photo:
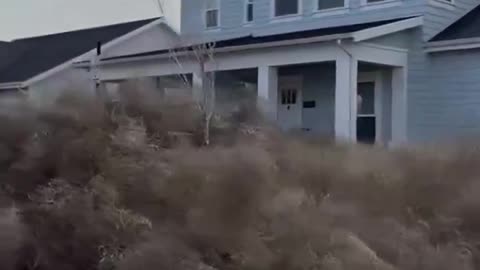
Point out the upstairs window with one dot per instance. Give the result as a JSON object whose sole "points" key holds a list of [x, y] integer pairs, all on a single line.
{"points": [[249, 11], [286, 7], [212, 14], [330, 4]]}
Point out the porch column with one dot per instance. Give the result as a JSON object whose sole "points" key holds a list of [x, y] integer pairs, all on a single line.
{"points": [[399, 106], [197, 86], [346, 98], [268, 91]]}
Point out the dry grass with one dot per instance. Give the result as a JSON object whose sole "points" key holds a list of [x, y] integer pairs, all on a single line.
{"points": [[128, 186]]}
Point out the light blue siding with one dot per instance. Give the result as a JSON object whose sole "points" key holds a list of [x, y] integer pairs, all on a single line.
{"points": [[451, 103], [232, 15]]}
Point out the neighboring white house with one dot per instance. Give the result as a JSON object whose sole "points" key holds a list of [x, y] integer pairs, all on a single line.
{"points": [[42, 66], [374, 71]]}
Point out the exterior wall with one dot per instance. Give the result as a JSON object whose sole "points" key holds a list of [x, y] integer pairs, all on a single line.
{"points": [[451, 106], [47, 91], [232, 15]]}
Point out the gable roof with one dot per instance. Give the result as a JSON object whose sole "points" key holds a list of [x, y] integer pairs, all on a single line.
{"points": [[253, 39], [466, 27], [25, 58]]}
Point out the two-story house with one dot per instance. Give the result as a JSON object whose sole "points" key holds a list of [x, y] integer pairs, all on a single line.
{"points": [[376, 71]]}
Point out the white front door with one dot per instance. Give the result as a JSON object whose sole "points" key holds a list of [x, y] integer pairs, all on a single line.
{"points": [[290, 102]]}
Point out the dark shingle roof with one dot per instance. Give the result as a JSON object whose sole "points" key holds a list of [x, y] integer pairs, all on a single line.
{"points": [[3, 53], [466, 27], [28, 57], [248, 40]]}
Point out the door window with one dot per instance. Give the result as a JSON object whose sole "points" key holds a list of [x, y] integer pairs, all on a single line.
{"points": [[289, 96], [366, 118]]}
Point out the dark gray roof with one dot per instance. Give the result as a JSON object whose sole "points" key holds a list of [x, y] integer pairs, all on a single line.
{"points": [[466, 27], [3, 53], [248, 40], [25, 58]]}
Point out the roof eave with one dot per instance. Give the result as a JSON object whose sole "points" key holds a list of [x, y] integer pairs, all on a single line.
{"points": [[451, 45], [10, 85]]}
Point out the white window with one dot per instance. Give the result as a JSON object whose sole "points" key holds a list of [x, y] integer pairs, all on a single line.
{"points": [[286, 7], [249, 11], [330, 4], [212, 14]]}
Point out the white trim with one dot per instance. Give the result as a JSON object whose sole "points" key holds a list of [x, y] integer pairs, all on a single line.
{"points": [[383, 47], [399, 106], [454, 48], [376, 78], [450, 45], [92, 52], [268, 91], [368, 54], [344, 8], [273, 17], [459, 41], [209, 28], [387, 29], [11, 85], [245, 12], [445, 4], [365, 5], [238, 48], [346, 75]]}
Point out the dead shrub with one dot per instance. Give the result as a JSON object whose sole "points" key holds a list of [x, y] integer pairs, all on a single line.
{"points": [[126, 184]]}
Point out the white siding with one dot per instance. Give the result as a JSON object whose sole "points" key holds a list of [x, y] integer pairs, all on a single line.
{"points": [[47, 91], [156, 38]]}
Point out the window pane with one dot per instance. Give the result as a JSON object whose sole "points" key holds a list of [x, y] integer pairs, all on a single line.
{"points": [[366, 98], [286, 7], [326, 4], [366, 130], [212, 18], [249, 12], [374, 1]]}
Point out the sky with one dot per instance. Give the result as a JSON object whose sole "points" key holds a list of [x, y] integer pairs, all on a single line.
{"points": [[25, 18]]}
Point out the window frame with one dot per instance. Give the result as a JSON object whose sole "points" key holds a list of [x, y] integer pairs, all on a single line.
{"points": [[365, 5], [205, 16], [346, 4], [376, 78], [273, 5], [245, 13]]}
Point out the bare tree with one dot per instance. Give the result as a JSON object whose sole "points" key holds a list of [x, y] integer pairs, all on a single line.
{"points": [[203, 53]]}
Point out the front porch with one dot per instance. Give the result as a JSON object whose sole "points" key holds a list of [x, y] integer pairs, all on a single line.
{"points": [[306, 101], [354, 92]]}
